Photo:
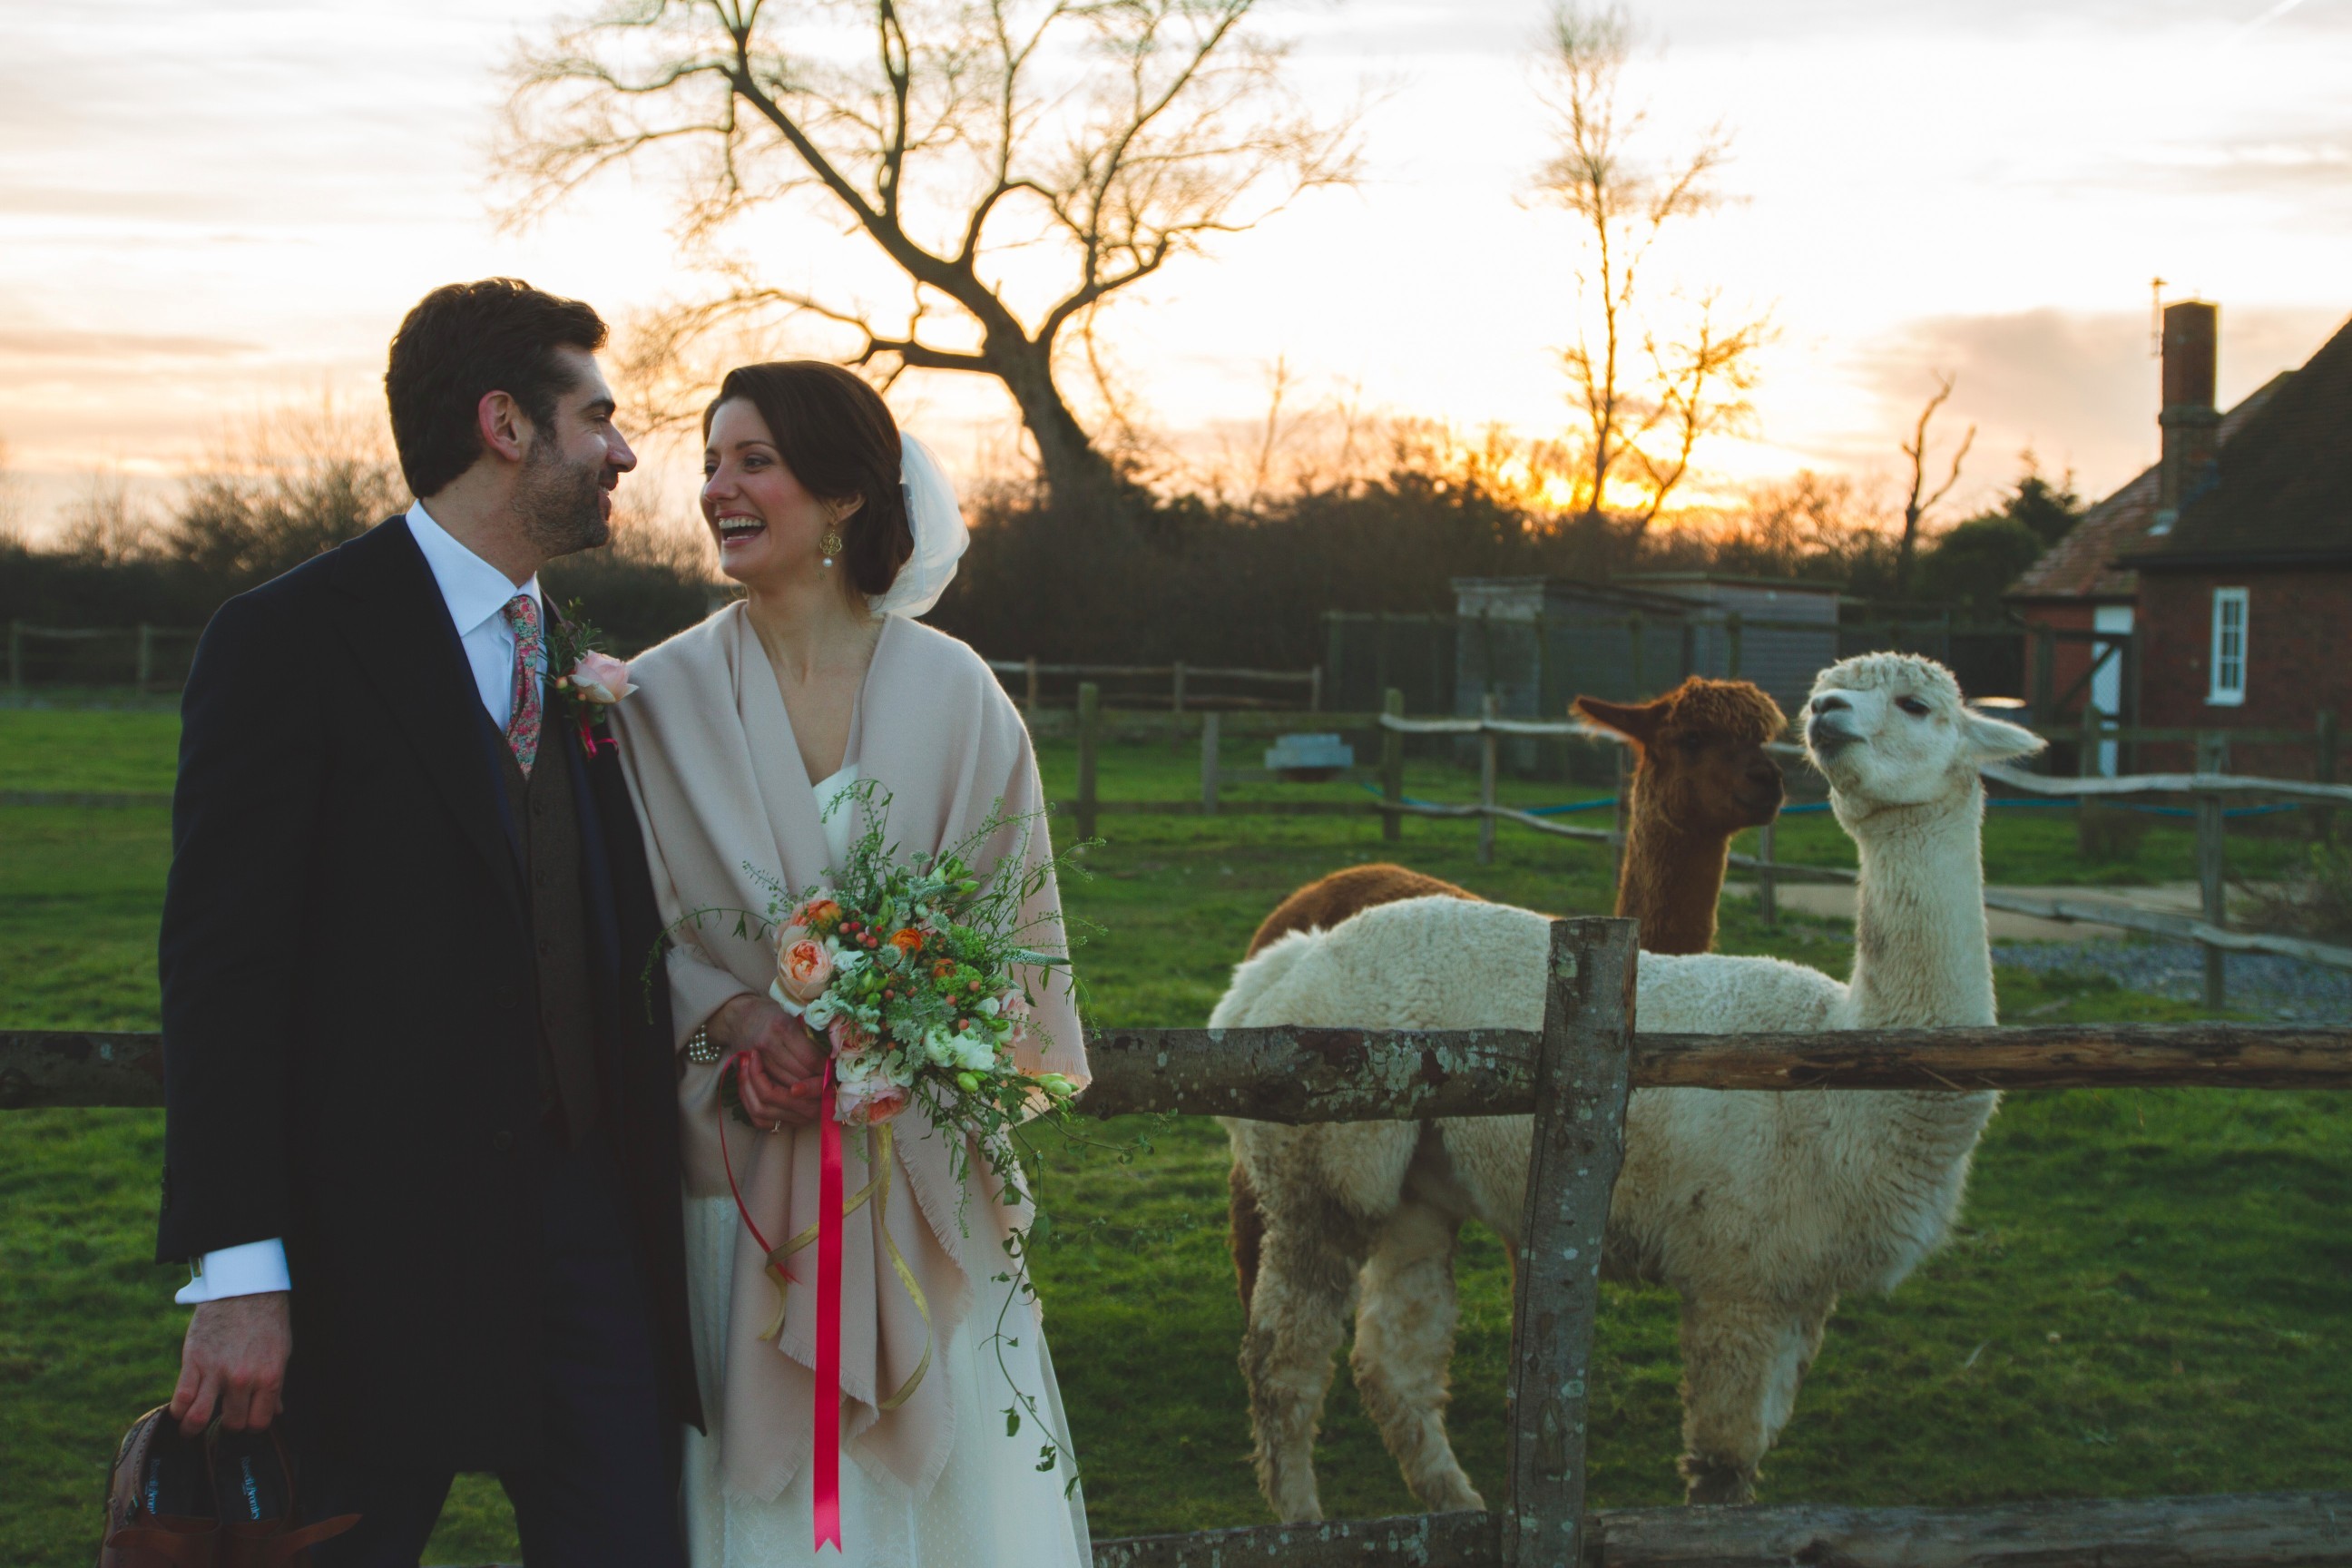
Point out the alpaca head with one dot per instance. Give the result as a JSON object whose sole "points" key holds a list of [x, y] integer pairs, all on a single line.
{"points": [[1892, 729], [1700, 752]]}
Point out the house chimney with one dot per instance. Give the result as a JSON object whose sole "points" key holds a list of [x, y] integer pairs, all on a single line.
{"points": [[2191, 423]]}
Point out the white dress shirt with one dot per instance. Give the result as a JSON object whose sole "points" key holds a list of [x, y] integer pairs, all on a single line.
{"points": [[476, 593]]}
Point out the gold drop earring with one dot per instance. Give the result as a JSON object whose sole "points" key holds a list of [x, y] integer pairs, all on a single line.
{"points": [[831, 544]]}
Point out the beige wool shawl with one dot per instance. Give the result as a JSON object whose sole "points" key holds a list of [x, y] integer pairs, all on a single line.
{"points": [[721, 791]]}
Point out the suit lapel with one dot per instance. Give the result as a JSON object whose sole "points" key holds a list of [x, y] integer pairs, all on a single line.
{"points": [[399, 634]]}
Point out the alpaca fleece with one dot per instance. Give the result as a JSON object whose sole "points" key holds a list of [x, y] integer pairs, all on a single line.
{"points": [[1759, 1208]]}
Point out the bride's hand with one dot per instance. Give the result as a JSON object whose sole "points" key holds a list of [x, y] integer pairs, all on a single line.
{"points": [[781, 1083]]}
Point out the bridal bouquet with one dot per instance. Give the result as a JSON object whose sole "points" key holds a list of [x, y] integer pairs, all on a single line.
{"points": [[907, 971]]}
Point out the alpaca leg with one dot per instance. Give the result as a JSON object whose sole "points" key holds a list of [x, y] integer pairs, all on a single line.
{"points": [[1742, 1362], [1307, 1266], [1404, 1343]]}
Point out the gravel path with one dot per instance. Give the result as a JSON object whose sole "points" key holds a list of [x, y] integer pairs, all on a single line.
{"points": [[2283, 989]]}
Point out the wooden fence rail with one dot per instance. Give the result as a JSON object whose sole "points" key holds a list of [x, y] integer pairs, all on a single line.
{"points": [[1032, 670], [1573, 1076], [141, 637], [1301, 1075]]}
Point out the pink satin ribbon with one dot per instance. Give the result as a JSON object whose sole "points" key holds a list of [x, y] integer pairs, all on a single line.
{"points": [[827, 1468]]}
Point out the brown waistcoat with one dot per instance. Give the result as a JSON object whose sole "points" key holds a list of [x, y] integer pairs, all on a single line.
{"points": [[547, 829]]}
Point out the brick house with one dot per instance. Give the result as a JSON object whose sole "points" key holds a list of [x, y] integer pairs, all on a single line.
{"points": [[2245, 593], [2226, 567]]}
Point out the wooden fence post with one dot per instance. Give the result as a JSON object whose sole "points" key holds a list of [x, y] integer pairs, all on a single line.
{"points": [[2322, 770], [1584, 1069], [1315, 689], [1634, 631], [1732, 638], [1031, 673], [2212, 861], [1208, 739], [1392, 769], [1768, 884], [16, 655], [1089, 706], [1490, 747], [2087, 764], [146, 656], [1178, 691]]}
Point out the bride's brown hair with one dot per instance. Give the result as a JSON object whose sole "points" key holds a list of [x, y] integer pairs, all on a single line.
{"points": [[837, 436]]}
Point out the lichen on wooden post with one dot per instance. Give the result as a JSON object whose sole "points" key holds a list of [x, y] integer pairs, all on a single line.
{"points": [[1582, 1075]]}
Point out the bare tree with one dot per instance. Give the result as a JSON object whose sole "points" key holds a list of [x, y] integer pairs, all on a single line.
{"points": [[1013, 164], [109, 526], [1920, 500], [12, 505], [1639, 422]]}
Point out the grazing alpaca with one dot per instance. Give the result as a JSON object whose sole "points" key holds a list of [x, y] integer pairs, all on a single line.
{"points": [[1759, 1208], [1701, 775]]}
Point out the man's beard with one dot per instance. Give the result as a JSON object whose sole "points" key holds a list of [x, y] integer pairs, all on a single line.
{"points": [[559, 504]]}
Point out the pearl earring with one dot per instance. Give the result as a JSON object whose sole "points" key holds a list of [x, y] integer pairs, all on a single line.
{"points": [[830, 546]]}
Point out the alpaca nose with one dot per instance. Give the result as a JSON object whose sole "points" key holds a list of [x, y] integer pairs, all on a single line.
{"points": [[1828, 702]]}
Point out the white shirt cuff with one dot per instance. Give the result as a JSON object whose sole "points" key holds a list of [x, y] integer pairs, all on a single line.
{"points": [[245, 1270]]}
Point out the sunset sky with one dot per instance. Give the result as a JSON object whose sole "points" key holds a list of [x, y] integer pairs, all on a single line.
{"points": [[209, 208]]}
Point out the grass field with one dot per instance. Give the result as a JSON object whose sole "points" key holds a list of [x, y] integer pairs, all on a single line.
{"points": [[2147, 1296]]}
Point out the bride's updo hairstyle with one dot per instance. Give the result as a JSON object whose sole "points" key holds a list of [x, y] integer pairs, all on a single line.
{"points": [[837, 436]]}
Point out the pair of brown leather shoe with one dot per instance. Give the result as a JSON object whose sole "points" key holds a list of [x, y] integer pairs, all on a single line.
{"points": [[221, 1501]]}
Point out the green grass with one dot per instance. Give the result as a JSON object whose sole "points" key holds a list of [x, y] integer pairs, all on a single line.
{"points": [[2147, 1297]]}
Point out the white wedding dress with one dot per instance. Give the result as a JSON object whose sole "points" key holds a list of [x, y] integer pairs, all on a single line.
{"points": [[991, 1508]]}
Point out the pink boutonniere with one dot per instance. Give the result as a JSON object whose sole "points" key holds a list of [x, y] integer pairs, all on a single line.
{"points": [[591, 680]]}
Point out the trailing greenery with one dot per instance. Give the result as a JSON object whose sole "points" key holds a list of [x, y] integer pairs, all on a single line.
{"points": [[2146, 1294]]}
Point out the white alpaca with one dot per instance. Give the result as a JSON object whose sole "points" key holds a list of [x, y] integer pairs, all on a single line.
{"points": [[1759, 1208]]}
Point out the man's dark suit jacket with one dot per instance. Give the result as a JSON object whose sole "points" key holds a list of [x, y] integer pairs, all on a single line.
{"points": [[351, 1043]]}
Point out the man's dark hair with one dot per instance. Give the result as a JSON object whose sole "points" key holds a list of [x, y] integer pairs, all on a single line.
{"points": [[464, 341], [837, 436]]}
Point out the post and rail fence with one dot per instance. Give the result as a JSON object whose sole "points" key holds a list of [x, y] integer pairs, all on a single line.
{"points": [[2210, 788], [139, 646], [1180, 677], [1573, 1077]]}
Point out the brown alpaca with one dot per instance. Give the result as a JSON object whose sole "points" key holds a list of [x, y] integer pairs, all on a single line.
{"points": [[1701, 775]]}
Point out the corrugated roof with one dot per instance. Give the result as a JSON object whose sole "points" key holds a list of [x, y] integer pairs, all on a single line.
{"points": [[2086, 564], [2282, 490]]}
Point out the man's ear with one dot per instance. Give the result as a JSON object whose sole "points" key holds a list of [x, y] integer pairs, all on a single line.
{"points": [[1991, 739], [505, 428], [1634, 720]]}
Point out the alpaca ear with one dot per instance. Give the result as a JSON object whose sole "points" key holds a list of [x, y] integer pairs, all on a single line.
{"points": [[1992, 740], [1637, 721]]}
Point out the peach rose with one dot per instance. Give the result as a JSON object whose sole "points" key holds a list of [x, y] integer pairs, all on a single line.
{"points": [[820, 912], [907, 940], [803, 968], [845, 1038], [870, 1102], [601, 678]]}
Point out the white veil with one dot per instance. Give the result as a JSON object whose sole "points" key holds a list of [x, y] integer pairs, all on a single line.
{"points": [[940, 536]]}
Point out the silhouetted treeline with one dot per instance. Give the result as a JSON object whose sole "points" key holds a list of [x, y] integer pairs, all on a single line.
{"points": [[115, 566], [1137, 578]]}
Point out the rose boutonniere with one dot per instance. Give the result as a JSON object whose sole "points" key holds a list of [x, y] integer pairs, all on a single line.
{"points": [[590, 679]]}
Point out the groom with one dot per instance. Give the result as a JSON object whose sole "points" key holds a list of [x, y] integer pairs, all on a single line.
{"points": [[421, 1144]]}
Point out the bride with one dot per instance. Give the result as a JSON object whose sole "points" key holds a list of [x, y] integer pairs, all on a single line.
{"points": [[741, 741]]}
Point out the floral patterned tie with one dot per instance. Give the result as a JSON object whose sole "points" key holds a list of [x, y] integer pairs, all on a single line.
{"points": [[523, 724]]}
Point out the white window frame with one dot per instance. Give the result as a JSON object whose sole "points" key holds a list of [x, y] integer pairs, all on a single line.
{"points": [[2223, 661]]}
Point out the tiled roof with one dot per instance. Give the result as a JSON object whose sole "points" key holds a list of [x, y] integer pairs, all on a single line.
{"points": [[2282, 490], [2084, 564]]}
